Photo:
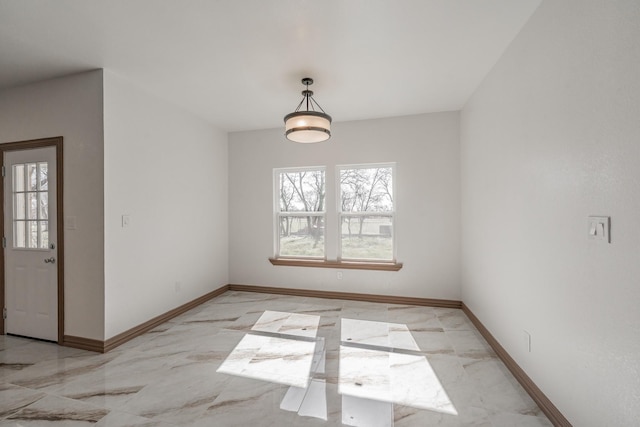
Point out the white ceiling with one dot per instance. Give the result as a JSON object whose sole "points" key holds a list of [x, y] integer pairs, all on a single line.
{"points": [[238, 63]]}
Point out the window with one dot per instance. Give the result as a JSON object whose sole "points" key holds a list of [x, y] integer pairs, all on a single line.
{"points": [[300, 213], [366, 213], [360, 224], [30, 205]]}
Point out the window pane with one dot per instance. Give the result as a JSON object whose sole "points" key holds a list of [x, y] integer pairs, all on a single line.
{"points": [[19, 234], [43, 206], [367, 237], [302, 191], [43, 176], [19, 206], [32, 177], [301, 236], [18, 178], [32, 234], [32, 205], [366, 190], [44, 234]]}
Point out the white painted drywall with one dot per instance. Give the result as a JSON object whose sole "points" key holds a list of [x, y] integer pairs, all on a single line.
{"points": [[551, 137], [426, 151], [167, 171], [70, 107]]}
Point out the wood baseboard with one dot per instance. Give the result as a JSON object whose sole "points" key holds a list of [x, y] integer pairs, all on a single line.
{"points": [[385, 299], [549, 409], [83, 343], [117, 340], [130, 334]]}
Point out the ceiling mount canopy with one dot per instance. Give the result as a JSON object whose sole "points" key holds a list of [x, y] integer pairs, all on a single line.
{"points": [[309, 125]]}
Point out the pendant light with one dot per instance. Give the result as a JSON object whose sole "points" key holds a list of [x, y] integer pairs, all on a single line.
{"points": [[309, 125]]}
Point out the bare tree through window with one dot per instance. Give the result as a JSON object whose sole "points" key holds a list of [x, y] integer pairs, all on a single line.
{"points": [[365, 209], [301, 212], [366, 212]]}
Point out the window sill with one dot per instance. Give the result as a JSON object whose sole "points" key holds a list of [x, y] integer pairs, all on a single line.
{"points": [[354, 265]]}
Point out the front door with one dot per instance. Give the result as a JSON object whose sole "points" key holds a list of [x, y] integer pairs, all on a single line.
{"points": [[30, 230]]}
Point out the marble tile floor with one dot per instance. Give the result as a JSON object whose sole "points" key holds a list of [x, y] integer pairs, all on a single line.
{"points": [[249, 359]]}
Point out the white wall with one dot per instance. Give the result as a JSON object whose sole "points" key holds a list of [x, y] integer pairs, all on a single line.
{"points": [[70, 107], [167, 170], [551, 137], [426, 151]]}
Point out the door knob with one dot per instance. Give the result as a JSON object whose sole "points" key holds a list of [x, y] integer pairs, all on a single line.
{"points": [[51, 260]]}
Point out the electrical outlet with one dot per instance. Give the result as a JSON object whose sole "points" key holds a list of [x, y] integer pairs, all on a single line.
{"points": [[339, 275]]}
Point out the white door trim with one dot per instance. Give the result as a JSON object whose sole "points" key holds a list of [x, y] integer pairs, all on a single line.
{"points": [[56, 142]]}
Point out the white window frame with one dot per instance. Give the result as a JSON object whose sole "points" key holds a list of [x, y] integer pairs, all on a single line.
{"points": [[341, 214], [24, 222], [278, 214]]}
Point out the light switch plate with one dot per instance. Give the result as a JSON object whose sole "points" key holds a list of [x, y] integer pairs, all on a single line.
{"points": [[600, 228]]}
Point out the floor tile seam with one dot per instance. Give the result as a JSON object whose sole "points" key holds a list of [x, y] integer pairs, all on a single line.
{"points": [[47, 394], [385, 349], [493, 390], [21, 386], [161, 416], [140, 416], [134, 415], [494, 412], [16, 410], [284, 336], [146, 377], [460, 347]]}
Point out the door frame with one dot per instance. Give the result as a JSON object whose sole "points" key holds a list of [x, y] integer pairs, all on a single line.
{"points": [[28, 145]]}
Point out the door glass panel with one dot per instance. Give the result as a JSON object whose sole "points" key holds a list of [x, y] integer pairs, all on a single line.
{"points": [[43, 206], [18, 206], [18, 177], [44, 234], [32, 234], [31, 205], [18, 234], [43, 176], [32, 177]]}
